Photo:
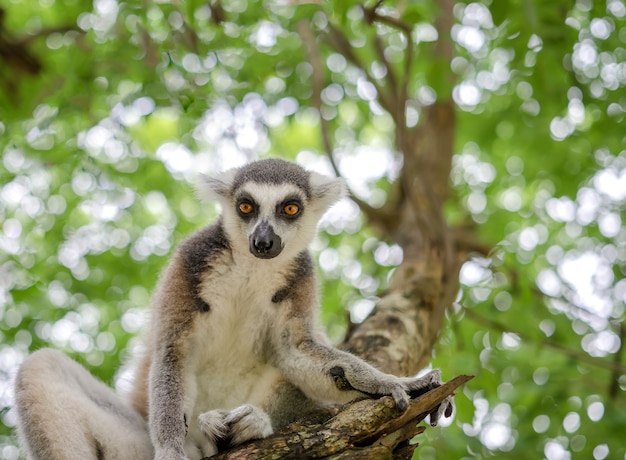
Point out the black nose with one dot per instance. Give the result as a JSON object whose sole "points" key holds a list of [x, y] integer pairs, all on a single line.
{"points": [[264, 243]]}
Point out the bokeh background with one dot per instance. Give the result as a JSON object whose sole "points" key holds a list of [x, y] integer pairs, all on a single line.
{"points": [[109, 109]]}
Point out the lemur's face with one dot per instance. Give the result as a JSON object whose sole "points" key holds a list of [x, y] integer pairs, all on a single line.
{"points": [[271, 208], [271, 217]]}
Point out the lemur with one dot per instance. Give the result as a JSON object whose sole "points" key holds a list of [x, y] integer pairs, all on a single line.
{"points": [[233, 350]]}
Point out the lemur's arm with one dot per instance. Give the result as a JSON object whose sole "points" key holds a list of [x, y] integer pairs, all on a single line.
{"points": [[175, 307], [167, 420], [327, 374]]}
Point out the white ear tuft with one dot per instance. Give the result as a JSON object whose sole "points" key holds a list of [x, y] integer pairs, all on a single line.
{"points": [[327, 190], [215, 188]]}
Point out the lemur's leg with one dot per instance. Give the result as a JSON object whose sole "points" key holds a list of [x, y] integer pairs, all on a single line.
{"points": [[66, 413]]}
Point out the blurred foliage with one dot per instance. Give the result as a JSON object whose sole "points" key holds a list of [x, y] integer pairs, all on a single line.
{"points": [[109, 109]]}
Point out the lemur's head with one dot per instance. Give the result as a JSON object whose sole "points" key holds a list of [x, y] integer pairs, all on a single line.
{"points": [[272, 206]]}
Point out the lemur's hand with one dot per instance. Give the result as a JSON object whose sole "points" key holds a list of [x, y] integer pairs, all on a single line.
{"points": [[374, 384], [420, 385]]}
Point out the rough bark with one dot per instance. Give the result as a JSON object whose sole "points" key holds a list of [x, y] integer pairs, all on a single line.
{"points": [[368, 429]]}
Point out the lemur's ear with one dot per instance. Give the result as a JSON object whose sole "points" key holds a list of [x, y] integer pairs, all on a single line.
{"points": [[217, 187], [327, 190]]}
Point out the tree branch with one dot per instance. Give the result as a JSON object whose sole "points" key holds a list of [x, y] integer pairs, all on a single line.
{"points": [[369, 429], [375, 216], [342, 45], [581, 356]]}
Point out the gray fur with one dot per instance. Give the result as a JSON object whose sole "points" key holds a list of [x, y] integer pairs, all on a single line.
{"points": [[233, 349], [272, 171]]}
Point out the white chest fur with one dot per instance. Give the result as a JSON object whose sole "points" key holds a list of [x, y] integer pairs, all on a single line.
{"points": [[228, 363]]}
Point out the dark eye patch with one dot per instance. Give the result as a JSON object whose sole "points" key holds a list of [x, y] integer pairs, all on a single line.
{"points": [[291, 208], [246, 207]]}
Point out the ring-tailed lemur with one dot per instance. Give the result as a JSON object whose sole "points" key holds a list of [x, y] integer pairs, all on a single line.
{"points": [[234, 350]]}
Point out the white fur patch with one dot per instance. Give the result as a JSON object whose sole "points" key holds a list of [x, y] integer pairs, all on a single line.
{"points": [[226, 368]]}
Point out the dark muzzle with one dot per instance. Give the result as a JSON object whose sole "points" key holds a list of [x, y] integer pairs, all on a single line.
{"points": [[264, 243]]}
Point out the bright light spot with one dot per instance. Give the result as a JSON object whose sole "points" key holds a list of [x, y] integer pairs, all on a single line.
{"points": [[616, 8], [425, 32], [467, 95], [547, 326], [105, 341], [329, 259], [541, 423], [12, 228], [56, 204], [571, 422], [62, 331], [535, 43], [595, 411], [176, 157], [478, 15], [287, 106], [503, 301], [511, 199], [600, 28], [600, 452], [83, 183], [366, 90], [144, 105], [589, 275], [80, 342], [510, 341], [476, 202], [560, 128], [360, 310], [561, 209], [96, 137], [336, 62], [134, 319], [555, 451], [576, 111], [57, 294], [588, 200], [601, 343], [610, 224], [610, 183], [472, 273], [585, 54], [13, 192], [265, 35], [388, 256], [495, 435], [470, 38], [365, 165], [12, 159], [528, 239], [549, 283], [10, 452], [541, 375]]}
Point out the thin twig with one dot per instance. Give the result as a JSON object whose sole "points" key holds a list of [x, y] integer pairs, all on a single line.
{"points": [[374, 215], [341, 43], [304, 29], [576, 354], [617, 359]]}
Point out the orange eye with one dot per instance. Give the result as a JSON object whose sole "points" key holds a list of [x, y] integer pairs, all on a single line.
{"points": [[245, 208], [291, 209]]}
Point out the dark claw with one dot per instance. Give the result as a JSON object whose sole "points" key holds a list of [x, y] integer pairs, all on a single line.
{"points": [[402, 405], [449, 410]]}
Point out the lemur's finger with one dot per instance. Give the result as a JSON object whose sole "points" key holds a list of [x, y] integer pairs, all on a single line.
{"points": [[400, 397]]}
